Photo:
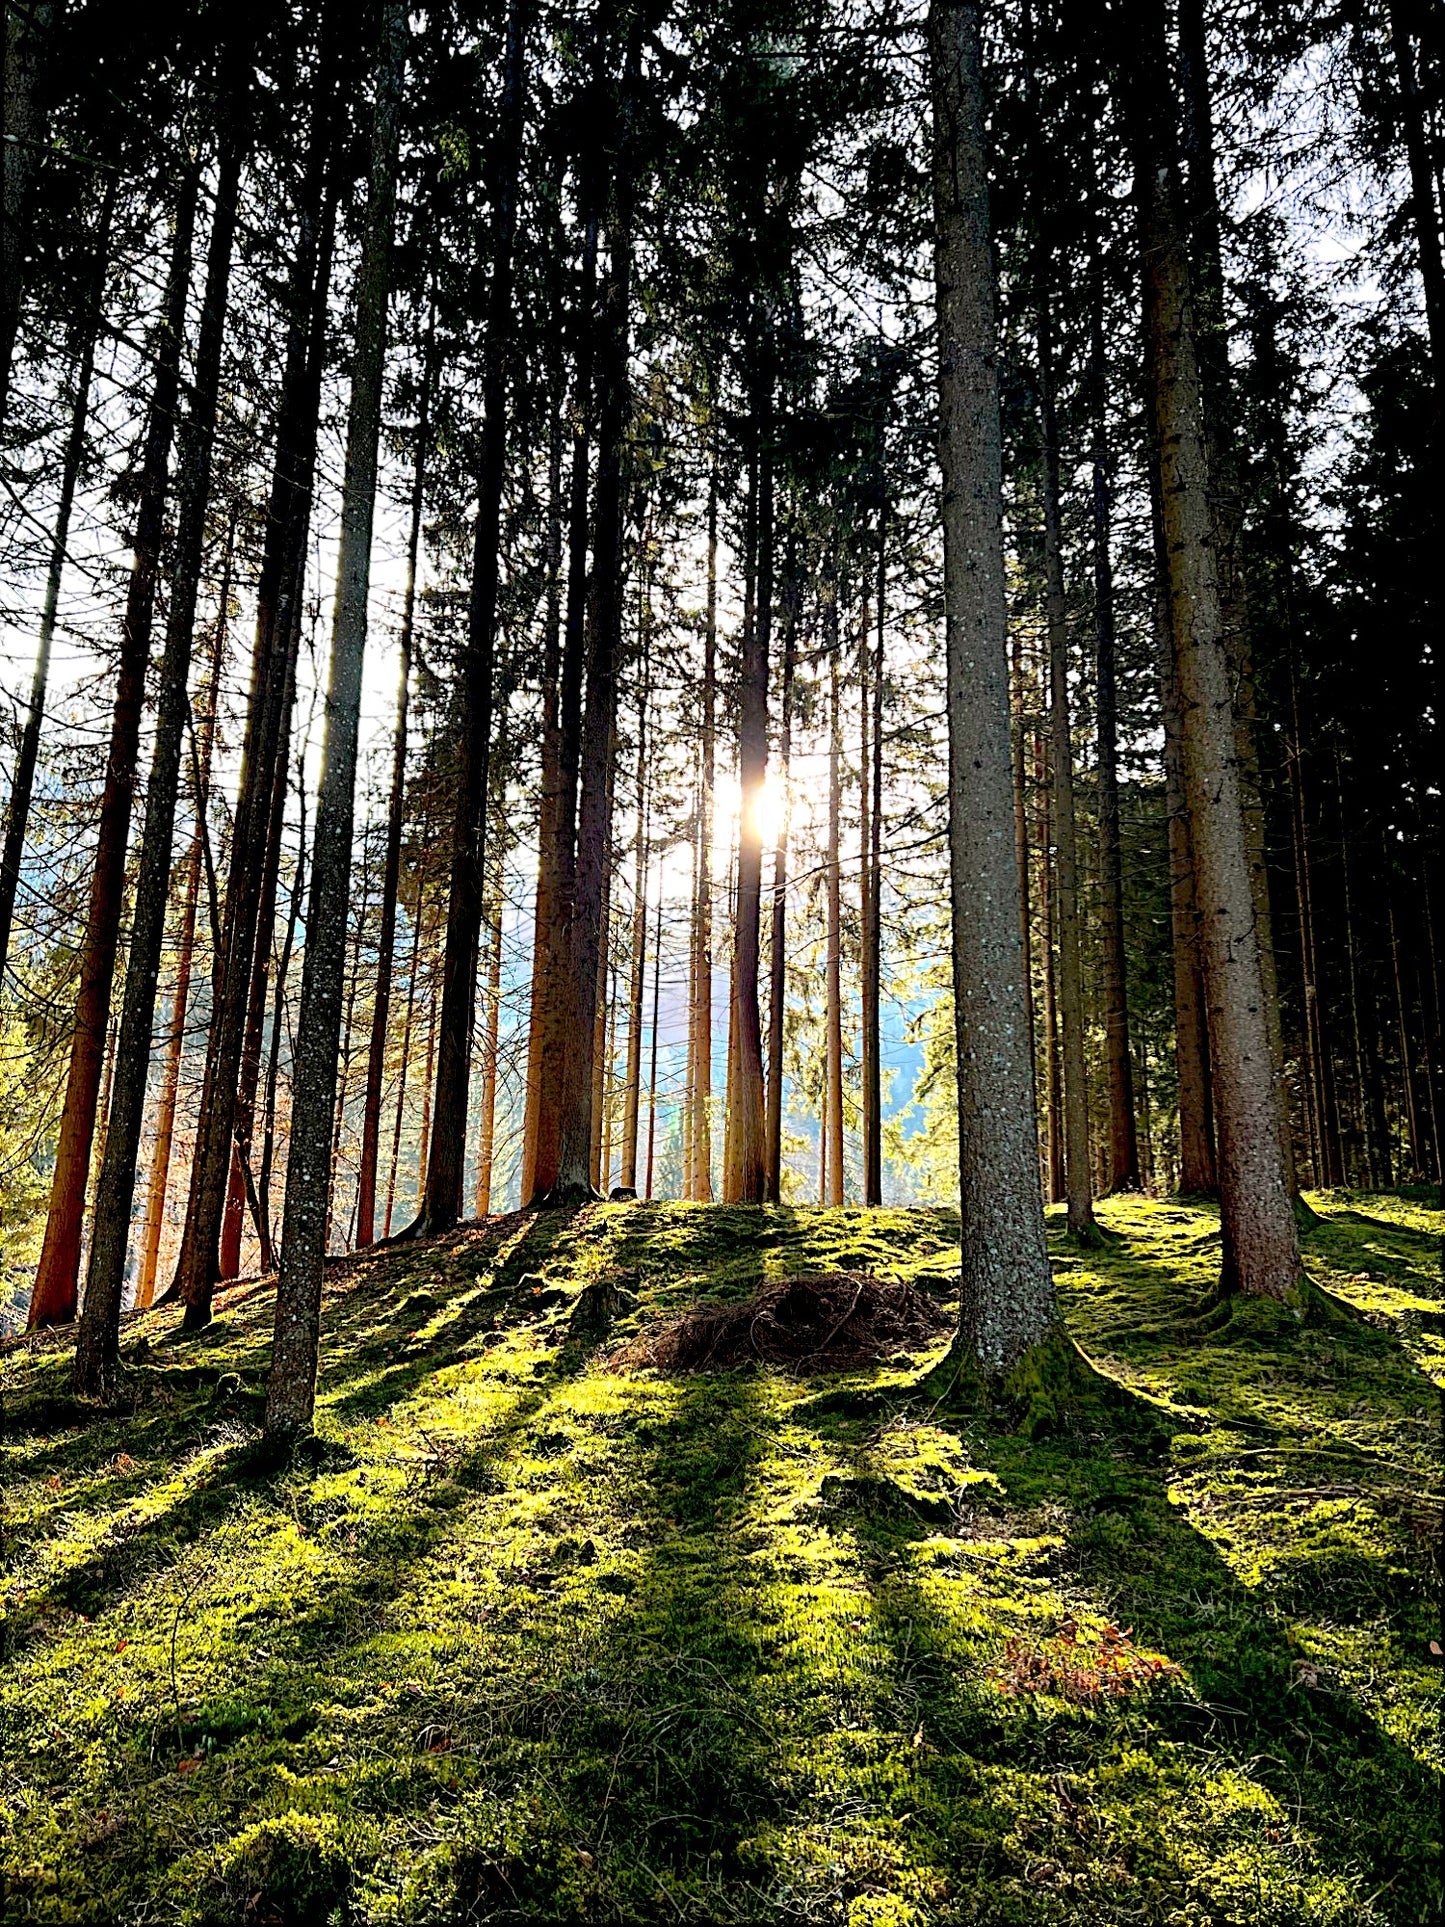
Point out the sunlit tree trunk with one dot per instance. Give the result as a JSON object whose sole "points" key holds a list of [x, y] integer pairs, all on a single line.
{"points": [[291, 1393], [54, 1294], [97, 1347], [778, 952], [1007, 1294]]}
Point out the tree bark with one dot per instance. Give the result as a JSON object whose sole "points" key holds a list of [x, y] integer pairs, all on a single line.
{"points": [[1123, 1165], [1078, 1160], [395, 821], [185, 948], [97, 1348], [1261, 1241], [702, 1008], [833, 956], [278, 593], [632, 1086], [778, 951], [442, 1204], [28, 31], [487, 1127], [278, 1009], [1007, 1304], [291, 1396], [53, 1298], [871, 782], [17, 814]]}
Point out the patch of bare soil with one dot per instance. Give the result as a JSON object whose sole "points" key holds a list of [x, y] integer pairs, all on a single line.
{"points": [[833, 1323]]}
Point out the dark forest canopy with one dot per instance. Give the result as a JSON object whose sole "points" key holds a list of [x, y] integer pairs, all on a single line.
{"points": [[546, 536]]}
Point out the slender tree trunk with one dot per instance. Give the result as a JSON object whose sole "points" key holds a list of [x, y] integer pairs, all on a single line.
{"points": [[603, 634], [1261, 1240], [97, 1349], [343, 1078], [53, 1298], [1007, 1302], [28, 30], [291, 1395], [871, 782], [1123, 1166], [778, 952], [401, 1076], [395, 822], [833, 961], [652, 1070], [1018, 691], [702, 1010], [278, 595], [632, 1089], [1053, 1063], [17, 814], [1078, 1163], [273, 1059], [185, 949], [487, 1130], [545, 916], [442, 1204]]}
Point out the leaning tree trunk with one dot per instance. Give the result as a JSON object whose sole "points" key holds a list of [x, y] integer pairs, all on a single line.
{"points": [[1078, 1161], [53, 1299], [17, 814], [442, 1204], [291, 1396], [1261, 1240], [1007, 1304], [97, 1348]]}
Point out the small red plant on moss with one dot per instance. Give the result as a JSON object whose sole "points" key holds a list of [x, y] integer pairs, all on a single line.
{"points": [[1079, 1669]]}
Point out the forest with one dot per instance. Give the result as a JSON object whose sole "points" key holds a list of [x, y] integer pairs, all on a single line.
{"points": [[720, 1041]]}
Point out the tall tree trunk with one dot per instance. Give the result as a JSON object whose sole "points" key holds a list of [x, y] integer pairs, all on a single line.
{"points": [[17, 813], [778, 949], [545, 913], [1123, 1166], [185, 947], [401, 1076], [291, 1396], [702, 1008], [652, 1070], [28, 31], [871, 783], [1261, 1241], [278, 1009], [833, 959], [97, 1348], [442, 1204], [53, 1298], [632, 1086], [395, 822], [1426, 219], [487, 1127], [1053, 1063], [278, 593], [1078, 1162], [1007, 1302], [749, 1121], [603, 636], [1020, 721]]}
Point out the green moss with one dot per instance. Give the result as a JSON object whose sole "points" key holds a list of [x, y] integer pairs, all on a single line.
{"points": [[523, 1639]]}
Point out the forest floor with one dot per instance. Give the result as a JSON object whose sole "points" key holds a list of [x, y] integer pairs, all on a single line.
{"points": [[526, 1635]]}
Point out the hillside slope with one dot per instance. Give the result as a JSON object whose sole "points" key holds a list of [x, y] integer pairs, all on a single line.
{"points": [[524, 1636]]}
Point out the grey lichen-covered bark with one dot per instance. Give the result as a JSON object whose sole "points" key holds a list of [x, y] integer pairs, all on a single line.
{"points": [[291, 1396], [1260, 1237], [1007, 1299]]}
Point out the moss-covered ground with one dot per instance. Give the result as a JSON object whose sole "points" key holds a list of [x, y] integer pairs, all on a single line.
{"points": [[521, 1638]]}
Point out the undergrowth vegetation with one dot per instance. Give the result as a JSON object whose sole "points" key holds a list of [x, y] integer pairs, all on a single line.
{"points": [[521, 1636]]}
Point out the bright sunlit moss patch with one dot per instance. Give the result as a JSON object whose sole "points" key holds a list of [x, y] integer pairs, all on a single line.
{"points": [[517, 1637]]}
